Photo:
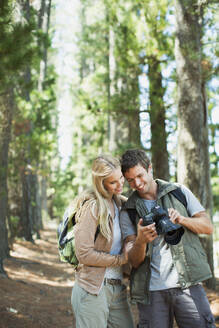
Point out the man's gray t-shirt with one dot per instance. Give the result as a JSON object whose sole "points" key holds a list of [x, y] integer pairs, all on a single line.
{"points": [[163, 271]]}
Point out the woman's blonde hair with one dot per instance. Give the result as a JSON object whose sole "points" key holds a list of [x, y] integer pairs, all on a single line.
{"points": [[96, 198]]}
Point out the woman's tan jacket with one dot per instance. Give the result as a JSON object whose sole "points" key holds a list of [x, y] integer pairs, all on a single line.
{"points": [[94, 257]]}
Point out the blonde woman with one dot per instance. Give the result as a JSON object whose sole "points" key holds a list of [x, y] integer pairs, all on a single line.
{"points": [[99, 298]]}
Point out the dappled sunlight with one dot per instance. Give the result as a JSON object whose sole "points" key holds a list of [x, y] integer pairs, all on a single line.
{"points": [[38, 285], [35, 252], [25, 274], [39, 262]]}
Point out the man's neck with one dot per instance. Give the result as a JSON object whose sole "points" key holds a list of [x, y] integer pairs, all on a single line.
{"points": [[151, 194]]}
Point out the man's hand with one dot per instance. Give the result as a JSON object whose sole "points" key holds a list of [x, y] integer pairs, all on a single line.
{"points": [[136, 245], [199, 223], [175, 216], [145, 234]]}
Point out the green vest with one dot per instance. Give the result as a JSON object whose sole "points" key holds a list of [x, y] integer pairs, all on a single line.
{"points": [[188, 255]]}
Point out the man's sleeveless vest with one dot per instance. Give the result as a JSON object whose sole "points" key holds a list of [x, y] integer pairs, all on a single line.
{"points": [[188, 256]]}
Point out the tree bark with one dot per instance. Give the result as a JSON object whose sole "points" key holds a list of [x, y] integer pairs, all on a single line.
{"points": [[6, 112], [43, 23], [31, 207], [193, 157], [157, 118]]}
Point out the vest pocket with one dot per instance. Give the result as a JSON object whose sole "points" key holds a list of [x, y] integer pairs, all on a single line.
{"points": [[194, 254], [196, 263]]}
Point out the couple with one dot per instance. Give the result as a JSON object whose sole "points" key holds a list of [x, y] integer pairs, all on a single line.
{"points": [[166, 279]]}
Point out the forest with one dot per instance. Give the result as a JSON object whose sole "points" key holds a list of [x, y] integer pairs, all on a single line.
{"points": [[139, 74]]}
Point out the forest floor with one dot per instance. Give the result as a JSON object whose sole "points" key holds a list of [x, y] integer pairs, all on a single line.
{"points": [[37, 291]]}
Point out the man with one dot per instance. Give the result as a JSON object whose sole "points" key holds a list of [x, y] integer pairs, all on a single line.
{"points": [[166, 278]]}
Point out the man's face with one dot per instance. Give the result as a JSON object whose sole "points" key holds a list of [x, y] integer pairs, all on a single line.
{"points": [[140, 179]]}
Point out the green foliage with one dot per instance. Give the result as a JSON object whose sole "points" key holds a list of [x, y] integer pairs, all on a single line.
{"points": [[14, 226], [116, 40], [17, 47], [215, 191], [34, 122], [62, 191], [23, 48], [216, 232]]}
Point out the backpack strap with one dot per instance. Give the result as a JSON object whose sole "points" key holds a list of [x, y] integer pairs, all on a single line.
{"points": [[98, 227], [63, 229], [97, 231], [178, 194]]}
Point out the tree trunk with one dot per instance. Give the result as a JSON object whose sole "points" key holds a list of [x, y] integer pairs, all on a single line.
{"points": [[127, 134], [43, 193], [123, 119], [157, 118], [43, 23], [27, 210], [37, 215], [6, 112], [31, 207], [193, 158]]}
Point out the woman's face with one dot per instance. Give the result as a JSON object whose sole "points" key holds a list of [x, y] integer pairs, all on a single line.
{"points": [[114, 183]]}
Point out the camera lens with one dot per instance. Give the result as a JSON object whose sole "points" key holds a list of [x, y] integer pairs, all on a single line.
{"points": [[173, 237]]}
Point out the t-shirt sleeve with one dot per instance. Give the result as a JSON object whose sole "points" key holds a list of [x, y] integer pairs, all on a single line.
{"points": [[193, 204], [127, 227]]}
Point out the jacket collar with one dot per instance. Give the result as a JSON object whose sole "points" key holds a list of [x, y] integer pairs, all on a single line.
{"points": [[164, 188]]}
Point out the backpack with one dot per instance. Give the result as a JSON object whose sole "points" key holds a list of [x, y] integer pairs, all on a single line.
{"points": [[177, 193], [66, 240]]}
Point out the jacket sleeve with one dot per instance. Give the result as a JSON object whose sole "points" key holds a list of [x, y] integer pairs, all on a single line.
{"points": [[85, 231]]}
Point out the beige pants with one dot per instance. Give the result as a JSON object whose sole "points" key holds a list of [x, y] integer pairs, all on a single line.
{"points": [[109, 309]]}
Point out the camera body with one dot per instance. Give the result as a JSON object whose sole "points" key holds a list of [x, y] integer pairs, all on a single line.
{"points": [[172, 232]]}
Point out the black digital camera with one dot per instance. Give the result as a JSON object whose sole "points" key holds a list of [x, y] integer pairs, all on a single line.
{"points": [[172, 232]]}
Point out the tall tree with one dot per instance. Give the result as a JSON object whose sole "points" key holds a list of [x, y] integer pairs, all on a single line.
{"points": [[6, 110], [157, 114], [193, 158], [27, 174], [33, 126], [108, 92], [43, 25], [124, 71], [14, 51], [157, 43], [39, 116]]}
